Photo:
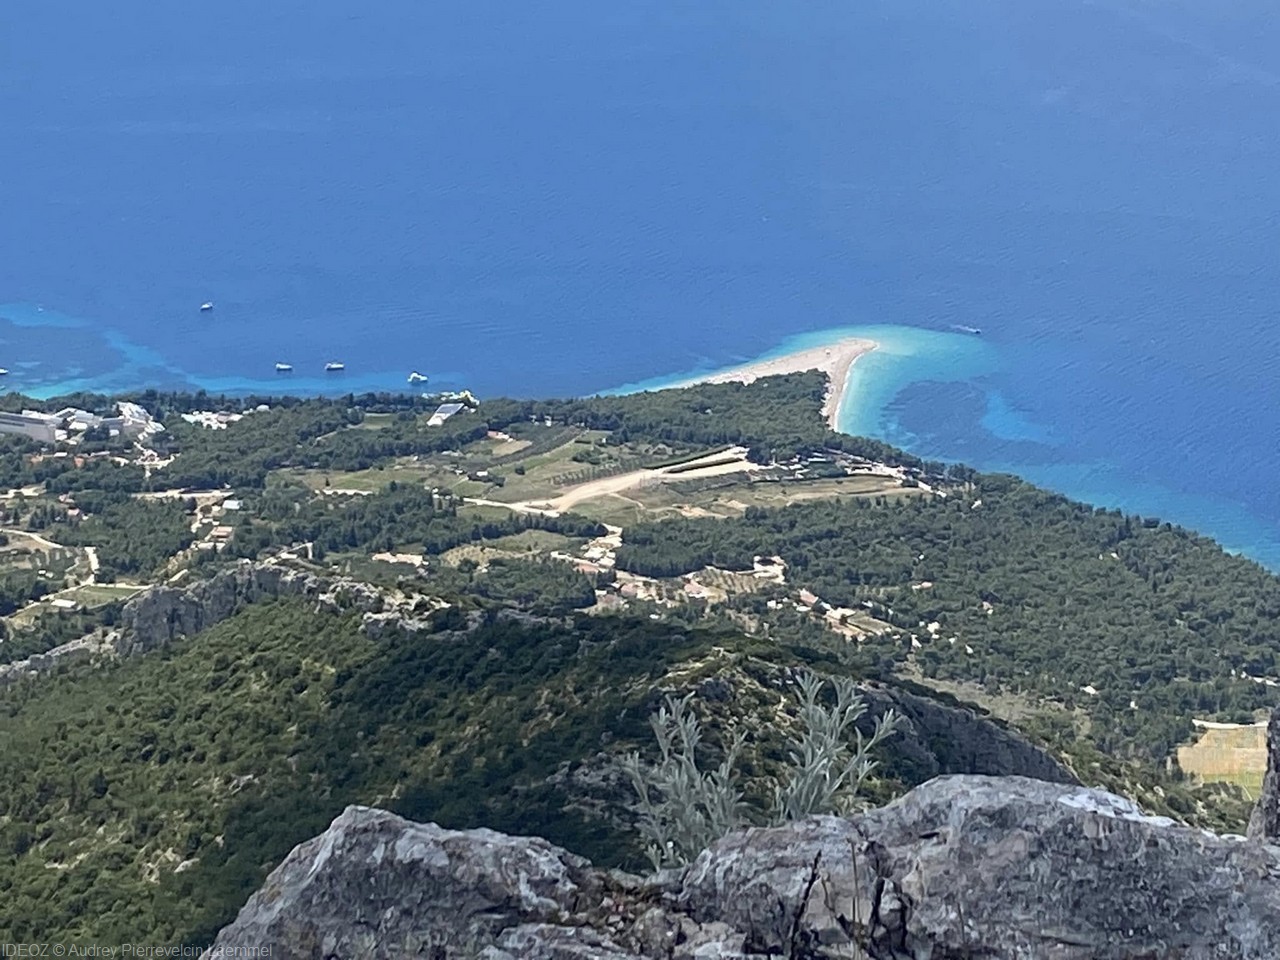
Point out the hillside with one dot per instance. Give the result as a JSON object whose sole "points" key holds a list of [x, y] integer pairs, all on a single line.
{"points": [[552, 568]]}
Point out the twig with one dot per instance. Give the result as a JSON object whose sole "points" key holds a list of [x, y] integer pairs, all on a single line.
{"points": [[803, 905], [859, 946]]}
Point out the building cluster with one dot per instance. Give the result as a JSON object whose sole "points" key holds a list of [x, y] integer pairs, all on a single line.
{"points": [[220, 419], [216, 513], [66, 425], [211, 420], [597, 555]]}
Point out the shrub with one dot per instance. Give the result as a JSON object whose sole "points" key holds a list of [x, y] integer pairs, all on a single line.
{"points": [[684, 809]]}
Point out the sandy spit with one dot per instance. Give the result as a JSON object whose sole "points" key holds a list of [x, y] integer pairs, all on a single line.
{"points": [[834, 359]]}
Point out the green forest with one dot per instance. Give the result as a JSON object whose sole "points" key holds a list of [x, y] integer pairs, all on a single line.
{"points": [[228, 749], [1044, 597]]}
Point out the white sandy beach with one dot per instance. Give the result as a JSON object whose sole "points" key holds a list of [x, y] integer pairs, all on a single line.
{"points": [[834, 359]]}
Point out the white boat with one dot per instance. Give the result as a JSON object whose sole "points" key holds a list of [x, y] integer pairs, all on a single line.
{"points": [[206, 306], [416, 377], [3, 372], [284, 368], [333, 366]]}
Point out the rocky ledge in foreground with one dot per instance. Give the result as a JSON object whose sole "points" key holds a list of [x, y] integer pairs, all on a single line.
{"points": [[960, 867]]}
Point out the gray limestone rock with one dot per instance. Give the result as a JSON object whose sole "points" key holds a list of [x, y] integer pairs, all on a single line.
{"points": [[938, 738], [996, 867], [1265, 822], [82, 648], [157, 616], [963, 866], [374, 885]]}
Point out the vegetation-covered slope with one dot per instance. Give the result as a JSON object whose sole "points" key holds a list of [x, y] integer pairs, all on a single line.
{"points": [[148, 797], [227, 749], [1043, 597]]}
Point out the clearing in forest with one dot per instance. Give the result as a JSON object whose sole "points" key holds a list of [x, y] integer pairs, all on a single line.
{"points": [[1229, 752]]}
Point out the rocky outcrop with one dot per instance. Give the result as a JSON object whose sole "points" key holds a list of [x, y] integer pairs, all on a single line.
{"points": [[938, 738], [82, 648], [961, 867], [1265, 822], [156, 617]]}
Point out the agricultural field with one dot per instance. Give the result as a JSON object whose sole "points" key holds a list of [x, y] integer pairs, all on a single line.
{"points": [[1229, 753]]}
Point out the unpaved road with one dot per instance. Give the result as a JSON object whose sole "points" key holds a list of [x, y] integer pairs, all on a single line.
{"points": [[733, 460]]}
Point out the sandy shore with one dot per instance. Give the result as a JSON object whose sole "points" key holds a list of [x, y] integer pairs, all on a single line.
{"points": [[833, 359]]}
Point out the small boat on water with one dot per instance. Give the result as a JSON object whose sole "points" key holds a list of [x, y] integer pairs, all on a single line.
{"points": [[206, 306], [284, 368], [963, 329], [3, 372], [416, 377], [333, 366]]}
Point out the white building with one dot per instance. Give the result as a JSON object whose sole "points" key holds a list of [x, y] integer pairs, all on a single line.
{"points": [[444, 412], [37, 426], [133, 421]]}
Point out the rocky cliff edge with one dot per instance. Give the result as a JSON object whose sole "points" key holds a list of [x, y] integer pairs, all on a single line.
{"points": [[961, 867], [161, 614]]}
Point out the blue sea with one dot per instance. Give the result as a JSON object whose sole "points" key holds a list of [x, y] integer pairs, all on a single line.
{"points": [[565, 198]]}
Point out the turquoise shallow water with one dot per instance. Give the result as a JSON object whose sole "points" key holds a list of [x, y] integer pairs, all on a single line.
{"points": [[913, 376], [81, 355]]}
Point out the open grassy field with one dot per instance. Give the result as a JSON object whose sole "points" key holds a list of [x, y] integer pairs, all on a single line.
{"points": [[375, 421], [1232, 753], [655, 500], [94, 595], [618, 510], [784, 492], [545, 473], [543, 467], [375, 478]]}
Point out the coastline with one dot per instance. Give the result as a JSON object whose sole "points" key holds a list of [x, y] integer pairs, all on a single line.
{"points": [[835, 359], [867, 367]]}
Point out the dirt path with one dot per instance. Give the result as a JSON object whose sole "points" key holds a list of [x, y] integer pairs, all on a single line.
{"points": [[517, 507], [42, 541], [733, 460]]}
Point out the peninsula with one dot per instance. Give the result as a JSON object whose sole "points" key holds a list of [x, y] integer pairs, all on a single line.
{"points": [[835, 360]]}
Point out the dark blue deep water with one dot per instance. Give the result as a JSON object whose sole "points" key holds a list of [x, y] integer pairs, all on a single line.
{"points": [[567, 197]]}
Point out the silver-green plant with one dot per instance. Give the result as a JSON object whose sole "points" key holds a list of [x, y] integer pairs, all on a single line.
{"points": [[828, 766], [684, 809]]}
